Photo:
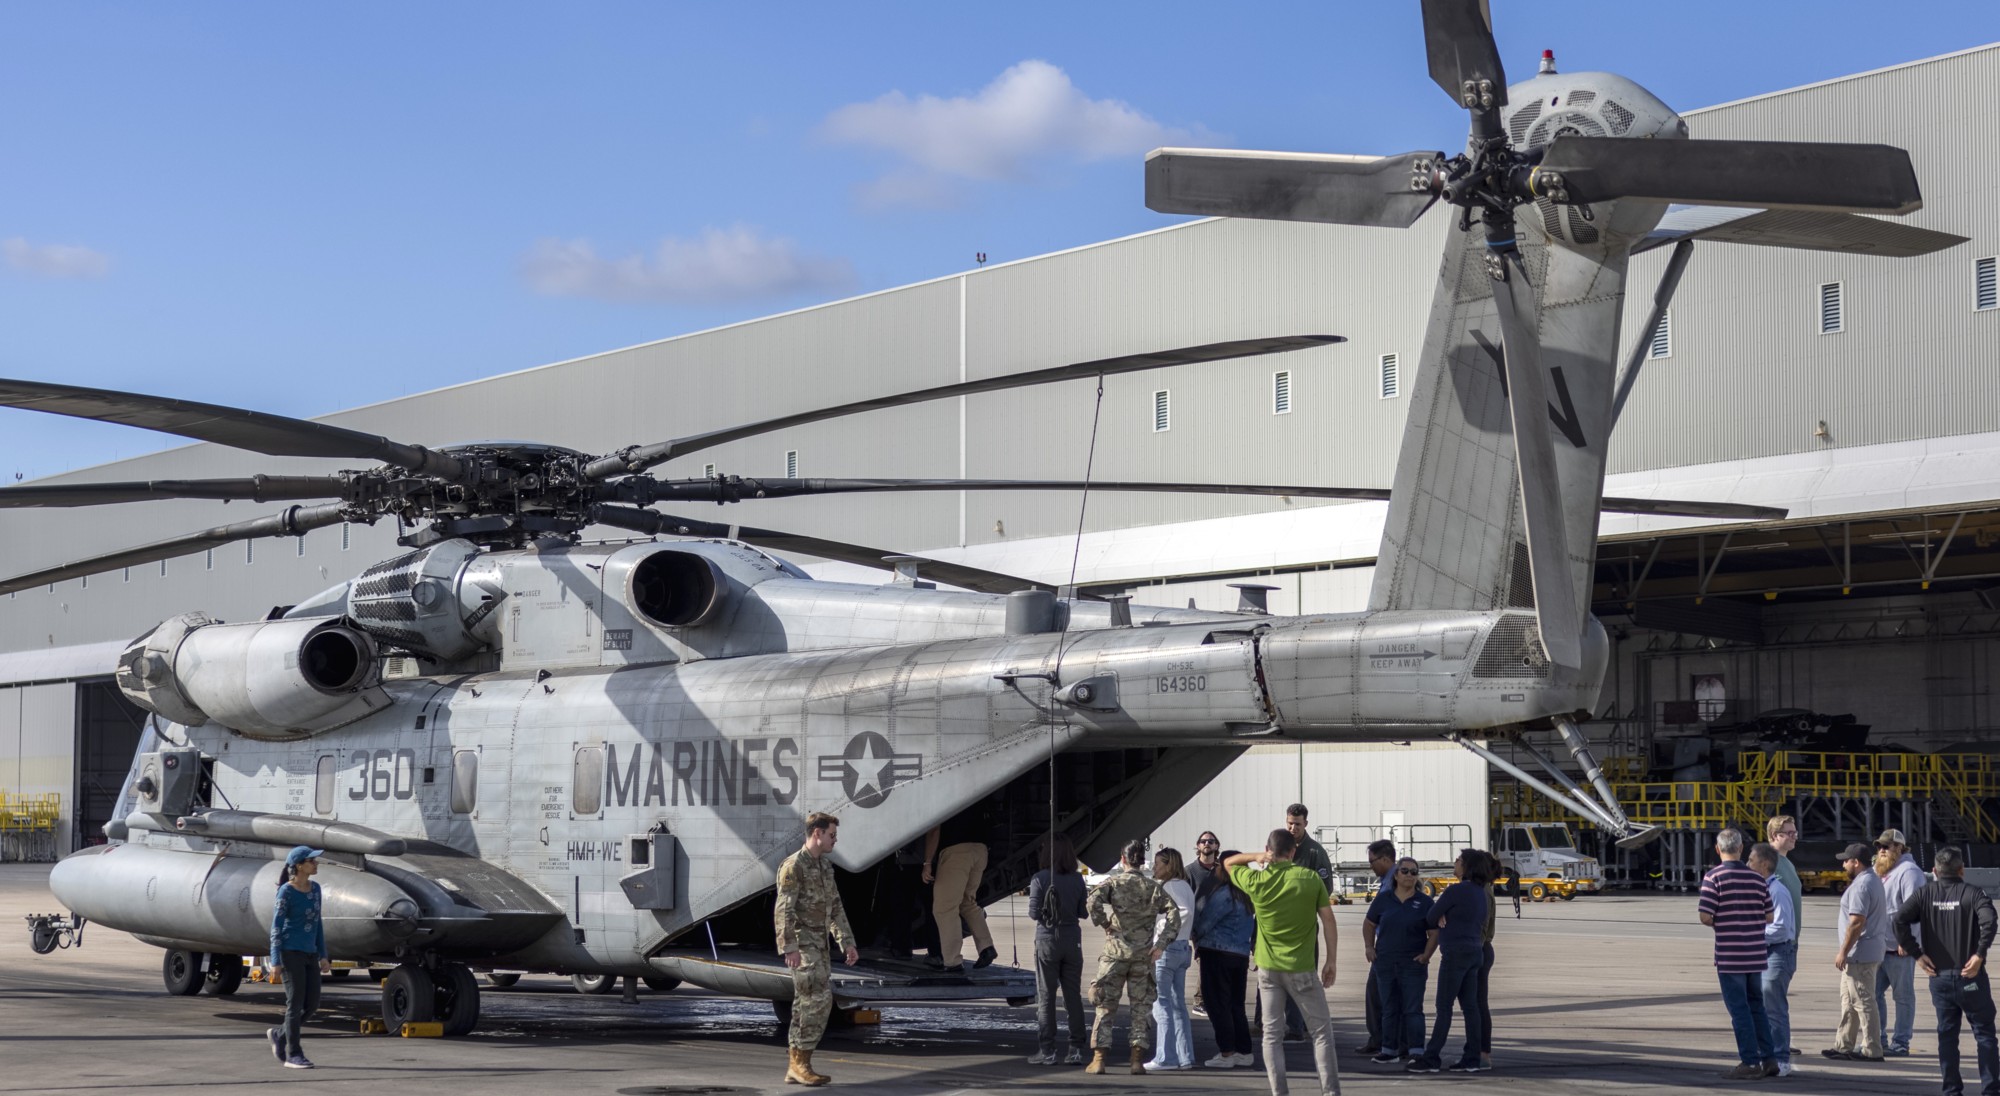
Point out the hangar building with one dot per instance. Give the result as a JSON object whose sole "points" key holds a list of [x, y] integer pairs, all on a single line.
{"points": [[1858, 392]]}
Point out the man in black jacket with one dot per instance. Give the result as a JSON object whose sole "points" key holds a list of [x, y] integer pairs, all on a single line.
{"points": [[1958, 922]]}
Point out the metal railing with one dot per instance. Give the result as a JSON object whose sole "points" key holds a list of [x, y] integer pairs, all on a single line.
{"points": [[28, 826]]}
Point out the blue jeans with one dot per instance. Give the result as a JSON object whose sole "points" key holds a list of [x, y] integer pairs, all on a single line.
{"points": [[1175, 1042], [1399, 1001], [1779, 966], [1743, 996], [1955, 996], [1898, 977], [1458, 982]]}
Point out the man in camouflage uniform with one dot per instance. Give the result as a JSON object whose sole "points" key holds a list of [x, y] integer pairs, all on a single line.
{"points": [[808, 907], [1139, 920]]}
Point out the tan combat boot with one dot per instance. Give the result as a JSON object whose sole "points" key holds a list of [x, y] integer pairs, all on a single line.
{"points": [[1138, 1060], [1096, 1061], [800, 1072]]}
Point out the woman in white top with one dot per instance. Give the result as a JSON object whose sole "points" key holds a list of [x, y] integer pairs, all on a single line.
{"points": [[1173, 1034]]}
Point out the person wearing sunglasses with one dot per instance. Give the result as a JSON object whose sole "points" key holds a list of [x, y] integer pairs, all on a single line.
{"points": [[1399, 942]]}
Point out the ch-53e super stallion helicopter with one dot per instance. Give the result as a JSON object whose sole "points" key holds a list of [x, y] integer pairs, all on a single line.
{"points": [[606, 750]]}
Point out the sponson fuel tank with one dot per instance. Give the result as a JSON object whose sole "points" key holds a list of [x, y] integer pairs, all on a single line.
{"points": [[200, 901]]}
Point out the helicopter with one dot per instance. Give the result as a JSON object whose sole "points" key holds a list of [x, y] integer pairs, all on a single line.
{"points": [[523, 751]]}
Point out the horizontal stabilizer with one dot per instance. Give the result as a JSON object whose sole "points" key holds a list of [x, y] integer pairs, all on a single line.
{"points": [[1810, 230], [1290, 186]]}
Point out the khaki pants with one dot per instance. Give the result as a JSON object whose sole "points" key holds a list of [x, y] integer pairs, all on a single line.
{"points": [[1274, 989], [959, 869], [1860, 1030]]}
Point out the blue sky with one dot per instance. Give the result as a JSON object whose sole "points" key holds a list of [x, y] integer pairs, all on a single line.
{"points": [[302, 208]]}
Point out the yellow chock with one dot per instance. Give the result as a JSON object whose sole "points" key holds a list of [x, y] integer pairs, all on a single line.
{"points": [[866, 1015], [423, 1031], [373, 1025]]}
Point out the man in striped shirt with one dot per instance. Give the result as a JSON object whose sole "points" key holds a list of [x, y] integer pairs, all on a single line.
{"points": [[1736, 903]]}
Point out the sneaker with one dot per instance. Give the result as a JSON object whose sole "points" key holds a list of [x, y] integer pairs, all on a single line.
{"points": [[1157, 1066], [1896, 1052], [1836, 1055], [1750, 1072], [1366, 1048], [1042, 1058], [1247, 1061], [1467, 1067], [986, 956], [1221, 1061], [1198, 1012], [1386, 1057], [1860, 1057], [1770, 1067], [297, 1061], [1295, 1037], [1786, 1069], [1418, 1065], [277, 1038], [1074, 1057]]}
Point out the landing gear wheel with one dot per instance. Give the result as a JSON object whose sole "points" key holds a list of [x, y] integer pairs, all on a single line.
{"points": [[1538, 892], [662, 984], [225, 974], [457, 1000], [500, 979], [408, 997], [594, 984], [42, 938], [340, 972], [182, 972]]}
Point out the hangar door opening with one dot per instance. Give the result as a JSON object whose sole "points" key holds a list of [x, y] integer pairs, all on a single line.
{"points": [[107, 735]]}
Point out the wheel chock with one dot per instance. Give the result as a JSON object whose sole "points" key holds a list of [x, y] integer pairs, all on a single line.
{"points": [[373, 1025], [865, 1015], [423, 1031]]}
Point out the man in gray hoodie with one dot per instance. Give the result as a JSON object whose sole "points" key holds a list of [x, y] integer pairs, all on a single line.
{"points": [[1897, 977]]}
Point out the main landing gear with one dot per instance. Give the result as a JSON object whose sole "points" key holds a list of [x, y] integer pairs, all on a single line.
{"points": [[188, 973], [444, 993]]}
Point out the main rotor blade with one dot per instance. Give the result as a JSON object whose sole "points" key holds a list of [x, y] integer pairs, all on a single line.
{"points": [[254, 488], [737, 490], [1678, 508], [289, 522], [1458, 37], [957, 574], [274, 435], [638, 458], [1535, 458], [1291, 186], [1834, 178]]}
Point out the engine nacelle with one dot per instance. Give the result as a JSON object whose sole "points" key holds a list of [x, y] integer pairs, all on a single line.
{"points": [[276, 679]]}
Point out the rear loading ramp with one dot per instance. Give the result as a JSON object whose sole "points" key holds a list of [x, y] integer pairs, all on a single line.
{"points": [[745, 973]]}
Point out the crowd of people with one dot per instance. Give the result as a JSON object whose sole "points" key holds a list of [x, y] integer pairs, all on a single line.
{"points": [[1892, 923], [1270, 914]]}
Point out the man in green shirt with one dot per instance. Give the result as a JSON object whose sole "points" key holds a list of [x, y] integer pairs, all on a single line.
{"points": [[1290, 901]]}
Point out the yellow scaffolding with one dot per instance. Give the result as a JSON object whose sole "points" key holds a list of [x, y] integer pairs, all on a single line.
{"points": [[28, 825], [1961, 782]]}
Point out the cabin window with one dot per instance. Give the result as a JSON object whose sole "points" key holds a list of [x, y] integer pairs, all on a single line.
{"points": [[323, 785], [464, 781], [586, 792]]}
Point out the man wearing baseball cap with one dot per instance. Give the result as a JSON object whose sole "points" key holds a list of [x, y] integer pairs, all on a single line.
{"points": [[298, 951], [1862, 936], [1898, 976]]}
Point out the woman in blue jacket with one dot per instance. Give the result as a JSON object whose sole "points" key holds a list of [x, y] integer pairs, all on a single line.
{"points": [[298, 951], [1224, 925]]}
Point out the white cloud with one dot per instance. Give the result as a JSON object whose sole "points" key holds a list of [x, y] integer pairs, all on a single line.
{"points": [[54, 260], [735, 264], [1030, 115]]}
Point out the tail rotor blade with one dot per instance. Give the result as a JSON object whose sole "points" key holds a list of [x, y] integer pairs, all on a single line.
{"points": [[1379, 192], [1832, 178], [1535, 457], [1465, 62]]}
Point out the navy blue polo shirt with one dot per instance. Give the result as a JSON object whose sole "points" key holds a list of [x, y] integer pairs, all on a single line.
{"points": [[1400, 926]]}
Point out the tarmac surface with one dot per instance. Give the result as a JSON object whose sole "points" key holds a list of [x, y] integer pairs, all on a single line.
{"points": [[1605, 994]]}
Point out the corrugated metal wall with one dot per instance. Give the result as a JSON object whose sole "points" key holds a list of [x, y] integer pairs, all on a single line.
{"points": [[1748, 377]]}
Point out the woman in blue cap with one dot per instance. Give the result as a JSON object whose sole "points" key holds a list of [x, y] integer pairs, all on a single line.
{"points": [[298, 951]]}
